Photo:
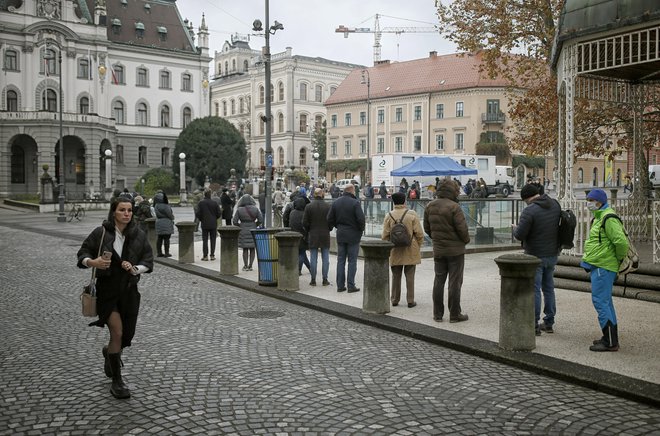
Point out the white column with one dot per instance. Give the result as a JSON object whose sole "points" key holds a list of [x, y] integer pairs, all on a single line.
{"points": [[182, 178]]}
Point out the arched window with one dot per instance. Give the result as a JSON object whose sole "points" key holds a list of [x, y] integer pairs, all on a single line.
{"points": [[217, 109], [303, 123], [302, 161], [187, 117], [280, 157], [245, 65], [141, 114], [49, 102], [165, 80], [226, 68], [83, 68], [303, 91], [219, 68], [118, 110], [49, 62], [224, 108], [84, 105], [280, 123], [17, 164], [318, 122], [280, 91], [318, 93], [12, 101], [580, 175], [272, 93], [262, 94], [240, 105], [165, 116], [232, 105], [233, 65]]}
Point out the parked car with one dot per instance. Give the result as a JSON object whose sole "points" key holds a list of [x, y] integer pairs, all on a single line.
{"points": [[342, 183]]}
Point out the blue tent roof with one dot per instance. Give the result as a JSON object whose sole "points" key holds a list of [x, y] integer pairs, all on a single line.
{"points": [[433, 166]]}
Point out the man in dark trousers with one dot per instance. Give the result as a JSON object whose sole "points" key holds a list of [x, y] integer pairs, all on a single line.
{"points": [[315, 221], [208, 212], [347, 216], [538, 229], [227, 204]]}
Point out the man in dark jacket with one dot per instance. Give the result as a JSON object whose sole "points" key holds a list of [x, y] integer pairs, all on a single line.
{"points": [[295, 221], [347, 216], [208, 212], [538, 229], [315, 221], [444, 222], [227, 204]]}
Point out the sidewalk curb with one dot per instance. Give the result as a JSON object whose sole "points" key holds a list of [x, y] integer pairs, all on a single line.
{"points": [[582, 375]]}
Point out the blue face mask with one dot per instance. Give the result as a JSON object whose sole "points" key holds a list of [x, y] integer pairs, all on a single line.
{"points": [[591, 205]]}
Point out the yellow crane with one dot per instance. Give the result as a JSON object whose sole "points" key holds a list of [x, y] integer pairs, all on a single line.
{"points": [[378, 32]]}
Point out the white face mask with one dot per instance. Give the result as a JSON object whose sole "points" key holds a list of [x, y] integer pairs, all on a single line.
{"points": [[591, 205]]}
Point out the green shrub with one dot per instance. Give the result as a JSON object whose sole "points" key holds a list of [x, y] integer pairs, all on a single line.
{"points": [[158, 179]]}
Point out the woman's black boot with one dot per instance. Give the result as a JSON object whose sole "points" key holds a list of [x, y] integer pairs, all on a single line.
{"points": [[118, 388], [106, 365]]}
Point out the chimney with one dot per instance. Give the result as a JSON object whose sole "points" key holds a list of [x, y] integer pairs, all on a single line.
{"points": [[433, 54]]}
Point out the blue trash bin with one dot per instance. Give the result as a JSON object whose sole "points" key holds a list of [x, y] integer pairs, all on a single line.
{"points": [[267, 254]]}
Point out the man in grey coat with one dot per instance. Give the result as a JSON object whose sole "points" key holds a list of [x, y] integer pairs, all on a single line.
{"points": [[347, 216], [315, 221], [538, 229]]}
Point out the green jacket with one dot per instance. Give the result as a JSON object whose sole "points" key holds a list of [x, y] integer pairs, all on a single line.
{"points": [[613, 245]]}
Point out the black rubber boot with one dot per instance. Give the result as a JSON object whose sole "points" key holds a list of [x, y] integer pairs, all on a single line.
{"points": [[118, 388], [610, 340], [106, 365]]}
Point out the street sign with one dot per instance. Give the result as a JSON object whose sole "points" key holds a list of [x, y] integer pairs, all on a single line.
{"points": [[269, 160]]}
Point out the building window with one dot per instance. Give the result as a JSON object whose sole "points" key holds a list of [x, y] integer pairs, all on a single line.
{"points": [[318, 93], [318, 122], [417, 143], [49, 65], [594, 177], [363, 118], [272, 93], [418, 113], [381, 116], [280, 91], [459, 109], [245, 65], [302, 157], [381, 145], [398, 144], [333, 120], [363, 146], [84, 105], [233, 65], [164, 157], [492, 136], [347, 119], [12, 101], [11, 60], [580, 175], [165, 80], [118, 110], [17, 164], [262, 158], [303, 123], [186, 82], [142, 156], [439, 142], [492, 109], [119, 76], [398, 115], [49, 102], [280, 123], [347, 147], [119, 157], [240, 105], [262, 94], [142, 77], [142, 114], [232, 106], [224, 108], [226, 68], [332, 89], [83, 68], [187, 117], [262, 125], [280, 157], [303, 91], [165, 116], [459, 141], [217, 109], [333, 148], [439, 111]]}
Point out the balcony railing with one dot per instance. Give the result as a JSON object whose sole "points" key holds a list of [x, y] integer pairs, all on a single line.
{"points": [[45, 116], [491, 118]]}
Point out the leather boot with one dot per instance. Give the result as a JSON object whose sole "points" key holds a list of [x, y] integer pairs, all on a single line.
{"points": [[106, 365], [118, 389], [610, 340]]}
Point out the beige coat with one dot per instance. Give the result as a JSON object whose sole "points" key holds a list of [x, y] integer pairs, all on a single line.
{"points": [[410, 255]]}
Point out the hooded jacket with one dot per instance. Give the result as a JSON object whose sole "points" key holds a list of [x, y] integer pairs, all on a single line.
{"points": [[608, 251], [164, 215], [296, 221], [444, 222], [538, 228]]}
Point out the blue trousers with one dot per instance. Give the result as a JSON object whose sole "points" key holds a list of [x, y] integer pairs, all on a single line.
{"points": [[325, 262], [544, 289], [344, 252], [602, 281]]}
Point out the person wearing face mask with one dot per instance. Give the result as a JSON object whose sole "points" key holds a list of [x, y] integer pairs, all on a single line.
{"points": [[604, 250]]}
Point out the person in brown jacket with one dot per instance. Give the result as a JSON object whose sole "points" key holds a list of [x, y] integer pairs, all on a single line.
{"points": [[403, 259], [445, 223]]}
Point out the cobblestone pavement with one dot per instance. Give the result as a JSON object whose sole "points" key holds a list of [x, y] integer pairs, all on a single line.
{"points": [[212, 359]]}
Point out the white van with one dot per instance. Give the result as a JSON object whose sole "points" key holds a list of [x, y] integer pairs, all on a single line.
{"points": [[342, 183], [654, 175]]}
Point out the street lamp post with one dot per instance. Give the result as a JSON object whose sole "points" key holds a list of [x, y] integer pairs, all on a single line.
{"points": [[61, 217], [108, 174], [142, 187], [316, 155], [366, 79], [182, 179]]}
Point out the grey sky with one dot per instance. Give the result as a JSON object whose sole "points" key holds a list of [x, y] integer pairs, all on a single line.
{"points": [[309, 26]]}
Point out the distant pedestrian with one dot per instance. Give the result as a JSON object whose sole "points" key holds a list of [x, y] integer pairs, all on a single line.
{"points": [[368, 200], [604, 250], [382, 190], [208, 213], [538, 229], [125, 255], [347, 216], [248, 217], [142, 211], [296, 224], [164, 224], [195, 198], [315, 220], [404, 259], [279, 198], [227, 205], [444, 222]]}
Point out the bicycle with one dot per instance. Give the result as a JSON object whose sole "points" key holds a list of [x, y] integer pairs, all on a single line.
{"points": [[77, 212]]}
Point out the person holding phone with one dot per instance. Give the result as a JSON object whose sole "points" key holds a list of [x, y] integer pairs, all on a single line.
{"points": [[126, 255]]}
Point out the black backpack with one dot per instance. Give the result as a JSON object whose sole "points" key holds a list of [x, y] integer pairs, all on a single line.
{"points": [[399, 234], [567, 225]]}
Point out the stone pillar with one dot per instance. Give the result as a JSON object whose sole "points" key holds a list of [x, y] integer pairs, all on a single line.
{"points": [[517, 323], [229, 250], [46, 186], [152, 237], [287, 261], [614, 192], [376, 285], [186, 241]]}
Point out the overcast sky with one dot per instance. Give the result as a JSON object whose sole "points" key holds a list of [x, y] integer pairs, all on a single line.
{"points": [[309, 26]]}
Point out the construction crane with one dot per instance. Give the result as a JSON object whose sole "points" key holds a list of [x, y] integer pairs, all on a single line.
{"points": [[378, 32]]}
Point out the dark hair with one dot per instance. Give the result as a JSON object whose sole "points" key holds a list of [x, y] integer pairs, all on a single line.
{"points": [[114, 203], [398, 198], [207, 193]]}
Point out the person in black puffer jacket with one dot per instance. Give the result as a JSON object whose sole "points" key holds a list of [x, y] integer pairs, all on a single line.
{"points": [[296, 224]]}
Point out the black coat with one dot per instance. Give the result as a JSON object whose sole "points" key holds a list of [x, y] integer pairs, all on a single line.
{"points": [[208, 212], [116, 288], [227, 205], [315, 221], [538, 228], [347, 216], [296, 221]]}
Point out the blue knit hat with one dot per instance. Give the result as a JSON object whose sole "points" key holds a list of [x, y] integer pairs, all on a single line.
{"points": [[597, 195]]}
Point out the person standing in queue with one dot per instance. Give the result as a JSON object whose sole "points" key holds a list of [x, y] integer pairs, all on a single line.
{"points": [[126, 255]]}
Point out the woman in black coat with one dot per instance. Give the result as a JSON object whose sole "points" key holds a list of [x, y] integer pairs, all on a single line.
{"points": [[227, 204], [296, 224], [125, 255]]}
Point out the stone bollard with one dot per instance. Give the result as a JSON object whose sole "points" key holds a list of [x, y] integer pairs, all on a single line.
{"points": [[614, 192], [186, 241], [229, 250], [517, 324], [376, 285], [152, 237], [287, 261]]}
